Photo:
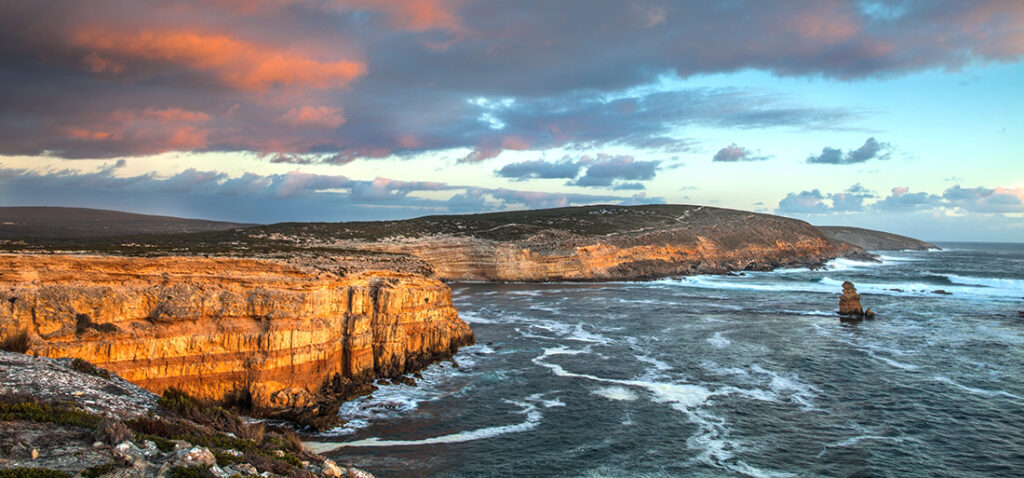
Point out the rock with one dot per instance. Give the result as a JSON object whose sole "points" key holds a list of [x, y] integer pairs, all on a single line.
{"points": [[196, 455], [849, 302], [403, 380], [941, 292], [330, 468], [869, 314], [34, 454], [184, 321], [246, 469], [357, 473]]}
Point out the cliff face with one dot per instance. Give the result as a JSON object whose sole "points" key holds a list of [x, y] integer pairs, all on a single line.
{"points": [[614, 243], [874, 240], [216, 327]]}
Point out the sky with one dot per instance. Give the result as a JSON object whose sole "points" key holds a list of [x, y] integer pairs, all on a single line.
{"points": [[900, 115]]}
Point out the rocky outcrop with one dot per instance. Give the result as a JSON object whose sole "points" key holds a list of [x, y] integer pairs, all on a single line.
{"points": [[264, 330], [849, 302], [874, 240], [70, 418]]}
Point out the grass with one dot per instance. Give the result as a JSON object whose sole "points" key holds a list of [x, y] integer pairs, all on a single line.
{"points": [[13, 409], [98, 470], [17, 342], [32, 473], [194, 471]]}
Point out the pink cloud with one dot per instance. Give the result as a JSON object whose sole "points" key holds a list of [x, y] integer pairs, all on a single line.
{"points": [[324, 117], [236, 63]]}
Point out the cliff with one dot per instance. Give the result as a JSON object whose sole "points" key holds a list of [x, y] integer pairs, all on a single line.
{"points": [[285, 334], [874, 240], [591, 243], [18, 223]]}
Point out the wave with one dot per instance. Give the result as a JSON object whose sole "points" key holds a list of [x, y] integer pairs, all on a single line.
{"points": [[977, 391], [616, 393], [992, 282], [718, 340]]}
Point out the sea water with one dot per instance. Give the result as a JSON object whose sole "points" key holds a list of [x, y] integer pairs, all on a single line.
{"points": [[751, 375]]}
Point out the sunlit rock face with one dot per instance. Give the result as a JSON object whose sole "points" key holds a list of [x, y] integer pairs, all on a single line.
{"points": [[707, 241], [275, 331]]}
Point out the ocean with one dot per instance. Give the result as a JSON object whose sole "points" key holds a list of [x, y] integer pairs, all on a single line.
{"points": [[751, 375]]}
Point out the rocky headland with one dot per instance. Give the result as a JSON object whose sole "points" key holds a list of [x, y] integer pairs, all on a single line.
{"points": [[590, 243], [870, 240], [284, 337]]}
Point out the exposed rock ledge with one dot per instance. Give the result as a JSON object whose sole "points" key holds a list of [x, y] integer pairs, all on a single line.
{"points": [[225, 328], [590, 243]]}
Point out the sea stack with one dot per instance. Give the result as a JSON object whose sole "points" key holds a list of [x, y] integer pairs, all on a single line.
{"points": [[849, 302]]}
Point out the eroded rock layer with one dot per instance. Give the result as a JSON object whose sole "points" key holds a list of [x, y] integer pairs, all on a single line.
{"points": [[598, 243], [216, 327]]}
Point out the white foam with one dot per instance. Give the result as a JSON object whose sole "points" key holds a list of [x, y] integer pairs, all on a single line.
{"points": [[978, 391], [718, 340], [475, 319], [991, 282], [616, 393]]}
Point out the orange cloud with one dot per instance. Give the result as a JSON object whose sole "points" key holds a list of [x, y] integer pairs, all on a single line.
{"points": [[324, 117], [412, 15], [240, 64]]}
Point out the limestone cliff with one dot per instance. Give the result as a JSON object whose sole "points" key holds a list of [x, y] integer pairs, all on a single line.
{"points": [[590, 243], [220, 327]]}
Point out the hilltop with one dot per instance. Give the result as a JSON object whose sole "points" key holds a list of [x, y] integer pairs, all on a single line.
{"points": [[19, 223]]}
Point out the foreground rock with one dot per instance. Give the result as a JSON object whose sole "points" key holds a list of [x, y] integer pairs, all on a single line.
{"points": [[280, 336], [94, 423]]}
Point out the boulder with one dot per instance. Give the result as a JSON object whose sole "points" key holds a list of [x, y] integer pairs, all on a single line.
{"points": [[849, 302]]}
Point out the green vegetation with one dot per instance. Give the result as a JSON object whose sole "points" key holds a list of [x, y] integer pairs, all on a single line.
{"points": [[32, 473], [17, 342], [12, 409], [194, 471], [98, 470], [85, 367]]}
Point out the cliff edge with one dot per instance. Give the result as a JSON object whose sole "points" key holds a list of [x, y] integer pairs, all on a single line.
{"points": [[874, 240], [283, 336], [589, 243]]}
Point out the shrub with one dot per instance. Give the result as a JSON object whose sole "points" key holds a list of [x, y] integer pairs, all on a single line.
{"points": [[195, 471], [112, 432], [17, 342], [98, 470], [32, 473], [41, 412], [85, 367]]}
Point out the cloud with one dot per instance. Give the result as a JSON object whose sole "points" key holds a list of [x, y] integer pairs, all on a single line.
{"points": [[540, 169], [602, 170], [407, 73], [871, 149], [733, 153], [320, 117], [231, 61], [977, 200], [217, 194]]}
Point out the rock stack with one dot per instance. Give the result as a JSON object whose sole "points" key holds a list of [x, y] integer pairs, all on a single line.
{"points": [[849, 303]]}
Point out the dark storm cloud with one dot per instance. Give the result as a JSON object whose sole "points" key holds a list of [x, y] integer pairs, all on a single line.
{"points": [[332, 81], [871, 149], [734, 152]]}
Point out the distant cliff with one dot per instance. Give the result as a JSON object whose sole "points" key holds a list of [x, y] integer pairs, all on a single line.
{"points": [[19, 223], [590, 243], [269, 331], [874, 240]]}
